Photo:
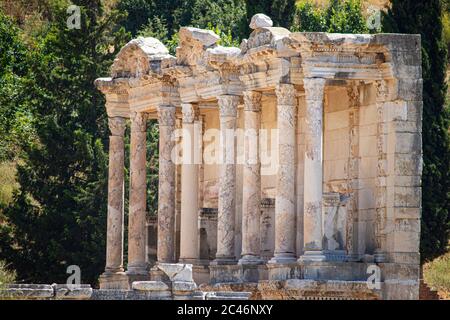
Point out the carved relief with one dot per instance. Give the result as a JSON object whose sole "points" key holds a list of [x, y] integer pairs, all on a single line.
{"points": [[228, 105], [314, 88], [138, 121], [188, 111], [117, 126], [252, 101], [166, 115], [286, 94]]}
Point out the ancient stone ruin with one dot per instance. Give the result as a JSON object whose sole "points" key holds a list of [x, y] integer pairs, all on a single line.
{"points": [[313, 190]]}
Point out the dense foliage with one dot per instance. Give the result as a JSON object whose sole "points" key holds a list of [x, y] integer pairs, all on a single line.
{"points": [[58, 215], [14, 115], [338, 16], [425, 18], [6, 276]]}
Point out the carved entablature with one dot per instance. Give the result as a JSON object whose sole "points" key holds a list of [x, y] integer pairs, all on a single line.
{"points": [[144, 74], [140, 57], [340, 56], [193, 45]]}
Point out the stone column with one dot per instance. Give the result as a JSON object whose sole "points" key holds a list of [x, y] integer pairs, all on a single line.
{"points": [[312, 210], [189, 246], [285, 215], [251, 199], [114, 238], [138, 195], [166, 192], [227, 182]]}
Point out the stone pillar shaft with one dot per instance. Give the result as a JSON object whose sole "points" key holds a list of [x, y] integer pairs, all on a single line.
{"points": [[251, 199], [227, 181], [285, 215], [138, 195], [166, 193], [114, 238], [312, 221], [189, 244]]}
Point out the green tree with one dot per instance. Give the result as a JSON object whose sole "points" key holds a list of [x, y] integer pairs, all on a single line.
{"points": [[58, 217], [14, 116], [280, 11], [6, 276], [340, 16], [163, 19], [144, 12], [425, 18]]}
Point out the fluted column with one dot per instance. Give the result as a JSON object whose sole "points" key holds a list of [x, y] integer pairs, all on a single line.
{"points": [[189, 246], [114, 238], [227, 181], [285, 216], [138, 195], [251, 198], [312, 210], [166, 192]]}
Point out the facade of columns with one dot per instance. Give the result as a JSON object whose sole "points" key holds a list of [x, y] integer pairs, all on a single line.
{"points": [[114, 239], [166, 191], [138, 195], [189, 235], [285, 215], [313, 180], [227, 181], [251, 198]]}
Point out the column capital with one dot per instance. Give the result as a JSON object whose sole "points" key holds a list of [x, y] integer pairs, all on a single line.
{"points": [[252, 101], [117, 126], [166, 115], [138, 121], [286, 94], [228, 105], [382, 90], [189, 112], [314, 88]]}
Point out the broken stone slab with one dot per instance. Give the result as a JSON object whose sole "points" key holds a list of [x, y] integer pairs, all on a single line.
{"points": [[183, 286], [72, 292], [260, 20], [109, 294], [27, 291], [151, 46], [227, 295], [150, 286], [206, 37], [177, 271]]}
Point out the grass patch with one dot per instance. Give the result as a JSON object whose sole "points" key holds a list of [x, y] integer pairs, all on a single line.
{"points": [[6, 276], [8, 183], [436, 274]]}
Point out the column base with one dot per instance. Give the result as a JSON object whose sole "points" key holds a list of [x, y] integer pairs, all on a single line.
{"points": [[283, 258], [114, 280], [222, 261], [250, 260], [254, 272], [135, 274], [380, 257], [353, 257], [315, 256], [137, 270], [192, 261], [284, 271]]}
